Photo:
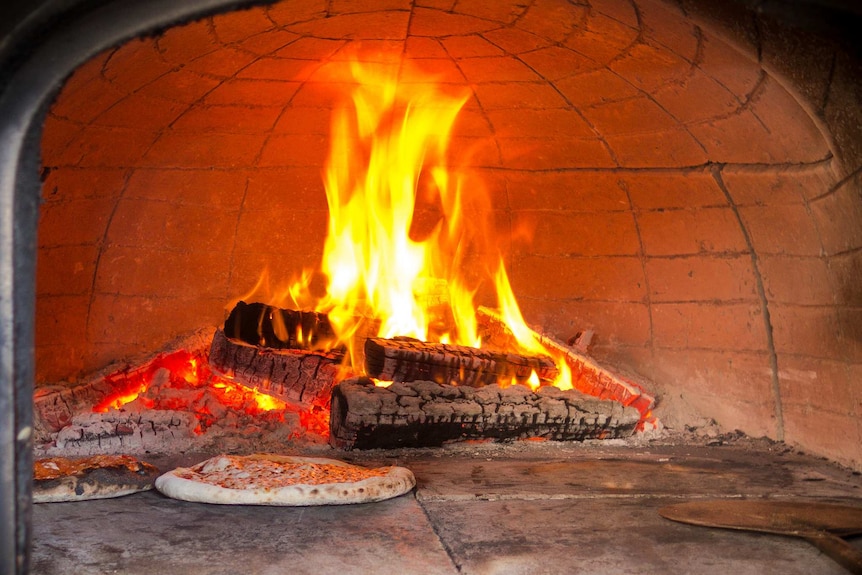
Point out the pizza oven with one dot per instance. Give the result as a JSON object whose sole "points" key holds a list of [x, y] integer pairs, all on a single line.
{"points": [[673, 186]]}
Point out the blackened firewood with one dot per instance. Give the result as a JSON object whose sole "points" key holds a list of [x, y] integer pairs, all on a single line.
{"points": [[426, 414], [587, 375], [291, 375], [406, 359], [268, 326]]}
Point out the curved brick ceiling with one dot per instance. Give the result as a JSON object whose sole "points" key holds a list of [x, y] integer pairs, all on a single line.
{"points": [[681, 202]]}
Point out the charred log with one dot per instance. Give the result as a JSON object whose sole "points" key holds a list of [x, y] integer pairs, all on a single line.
{"points": [[268, 326], [426, 414], [406, 359], [291, 375], [587, 376]]}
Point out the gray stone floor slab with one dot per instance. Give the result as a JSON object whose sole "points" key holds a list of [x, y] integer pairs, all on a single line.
{"points": [[607, 536], [149, 533], [577, 471]]}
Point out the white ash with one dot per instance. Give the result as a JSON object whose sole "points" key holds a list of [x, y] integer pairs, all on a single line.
{"points": [[169, 431], [121, 431]]}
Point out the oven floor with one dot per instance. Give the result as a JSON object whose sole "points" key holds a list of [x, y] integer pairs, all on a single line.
{"points": [[531, 508]]}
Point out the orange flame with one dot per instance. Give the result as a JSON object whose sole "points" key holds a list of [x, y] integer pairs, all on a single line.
{"points": [[393, 135], [389, 147]]}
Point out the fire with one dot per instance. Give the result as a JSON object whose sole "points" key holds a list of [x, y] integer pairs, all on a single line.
{"points": [[393, 136], [388, 161], [390, 273], [389, 153]]}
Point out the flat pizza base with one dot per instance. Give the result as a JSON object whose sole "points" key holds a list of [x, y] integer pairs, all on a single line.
{"points": [[94, 483], [397, 481]]}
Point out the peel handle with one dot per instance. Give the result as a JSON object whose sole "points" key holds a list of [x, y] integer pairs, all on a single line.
{"points": [[838, 549]]}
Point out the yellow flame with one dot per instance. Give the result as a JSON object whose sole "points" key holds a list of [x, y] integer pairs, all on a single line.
{"points": [[392, 136], [120, 400], [533, 380], [190, 375], [267, 402], [511, 313], [524, 335], [564, 380]]}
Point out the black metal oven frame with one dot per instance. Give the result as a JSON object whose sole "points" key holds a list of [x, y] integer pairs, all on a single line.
{"points": [[42, 43]]}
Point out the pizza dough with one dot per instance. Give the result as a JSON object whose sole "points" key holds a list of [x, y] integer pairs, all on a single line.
{"points": [[98, 477], [283, 480]]}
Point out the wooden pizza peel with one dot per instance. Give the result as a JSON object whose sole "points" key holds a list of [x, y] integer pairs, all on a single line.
{"points": [[821, 524]]}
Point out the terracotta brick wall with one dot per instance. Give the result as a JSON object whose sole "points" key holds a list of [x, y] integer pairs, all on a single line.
{"points": [[690, 201]]}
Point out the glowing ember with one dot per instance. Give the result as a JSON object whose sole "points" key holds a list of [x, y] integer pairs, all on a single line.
{"points": [[117, 401], [231, 391], [127, 385], [315, 420], [185, 382]]}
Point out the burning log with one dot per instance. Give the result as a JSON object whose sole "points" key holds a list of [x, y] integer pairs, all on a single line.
{"points": [[593, 380], [427, 414], [406, 359], [292, 375], [587, 376], [271, 327]]}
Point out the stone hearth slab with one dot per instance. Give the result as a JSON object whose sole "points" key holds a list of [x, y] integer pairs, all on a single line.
{"points": [[593, 470], [147, 533], [609, 537], [530, 508]]}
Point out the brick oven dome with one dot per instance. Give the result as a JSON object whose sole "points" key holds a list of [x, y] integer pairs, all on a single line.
{"points": [[689, 192]]}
